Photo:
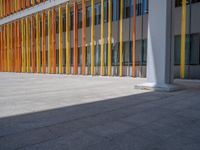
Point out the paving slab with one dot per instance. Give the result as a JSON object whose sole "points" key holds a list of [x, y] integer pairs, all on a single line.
{"points": [[59, 112]]}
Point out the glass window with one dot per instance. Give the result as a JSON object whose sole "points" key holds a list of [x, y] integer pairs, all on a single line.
{"points": [[115, 54], [195, 1], [64, 21], [178, 3], [127, 8], [106, 54], [97, 55], [195, 54], [139, 8], [144, 55], [126, 50], [41, 58], [72, 56], [88, 56], [88, 16], [97, 13], [47, 26], [57, 57], [79, 18], [71, 20], [80, 56], [115, 9], [64, 57], [130, 53], [139, 52], [187, 49], [145, 5], [105, 11], [177, 48], [57, 25], [131, 8]]}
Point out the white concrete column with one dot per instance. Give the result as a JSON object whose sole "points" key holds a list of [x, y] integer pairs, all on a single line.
{"points": [[159, 54]]}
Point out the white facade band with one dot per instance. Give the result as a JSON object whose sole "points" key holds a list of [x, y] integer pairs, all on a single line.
{"points": [[32, 10]]}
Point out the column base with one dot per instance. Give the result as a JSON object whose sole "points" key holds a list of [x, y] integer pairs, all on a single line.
{"points": [[158, 87]]}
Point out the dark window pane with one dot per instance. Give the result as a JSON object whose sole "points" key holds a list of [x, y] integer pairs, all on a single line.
{"points": [[195, 43], [106, 54], [88, 56], [88, 16], [178, 3], [97, 55], [71, 20], [97, 13], [79, 56], [126, 8], [126, 50], [79, 18], [115, 9], [72, 56], [106, 11], [115, 54], [177, 48]]}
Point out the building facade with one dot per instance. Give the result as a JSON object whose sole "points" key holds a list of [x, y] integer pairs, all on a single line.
{"points": [[81, 37]]}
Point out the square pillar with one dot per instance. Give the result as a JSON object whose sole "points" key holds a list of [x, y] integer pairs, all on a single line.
{"points": [[160, 59]]}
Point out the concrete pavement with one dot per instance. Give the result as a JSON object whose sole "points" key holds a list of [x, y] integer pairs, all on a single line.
{"points": [[58, 112]]}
